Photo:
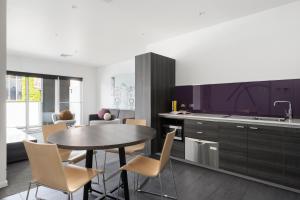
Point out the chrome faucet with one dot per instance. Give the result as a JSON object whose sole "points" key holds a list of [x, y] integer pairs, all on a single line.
{"points": [[290, 112]]}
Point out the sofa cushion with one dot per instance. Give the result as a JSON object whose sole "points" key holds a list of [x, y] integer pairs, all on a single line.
{"points": [[102, 112], [65, 115], [114, 113], [126, 114]]}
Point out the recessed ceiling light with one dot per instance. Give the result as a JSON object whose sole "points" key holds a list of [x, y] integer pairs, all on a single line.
{"points": [[201, 13], [64, 55]]}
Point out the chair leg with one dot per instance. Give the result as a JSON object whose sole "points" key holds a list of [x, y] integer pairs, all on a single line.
{"points": [[173, 177], [134, 185], [70, 196], [137, 182], [104, 163], [161, 187], [104, 184], [36, 191], [119, 187], [96, 163], [28, 191]]}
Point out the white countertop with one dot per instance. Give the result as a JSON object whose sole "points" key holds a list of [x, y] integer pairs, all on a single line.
{"points": [[294, 123]]}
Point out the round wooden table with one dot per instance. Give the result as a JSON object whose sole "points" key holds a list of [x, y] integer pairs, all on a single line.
{"points": [[105, 136]]}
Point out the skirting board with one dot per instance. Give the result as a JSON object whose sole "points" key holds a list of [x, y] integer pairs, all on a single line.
{"points": [[239, 175], [3, 184]]}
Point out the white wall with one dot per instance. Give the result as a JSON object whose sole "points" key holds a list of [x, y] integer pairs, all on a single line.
{"points": [[3, 181], [263, 46], [104, 80], [44, 66]]}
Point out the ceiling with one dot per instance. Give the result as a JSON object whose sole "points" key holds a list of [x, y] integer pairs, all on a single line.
{"points": [[102, 32]]}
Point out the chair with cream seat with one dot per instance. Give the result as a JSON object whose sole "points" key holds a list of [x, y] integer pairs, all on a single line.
{"points": [[48, 170], [149, 167], [130, 150], [72, 157]]}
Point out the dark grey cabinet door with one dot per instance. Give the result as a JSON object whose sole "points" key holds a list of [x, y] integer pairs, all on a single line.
{"points": [[265, 153], [292, 157], [203, 130], [178, 149], [233, 147]]}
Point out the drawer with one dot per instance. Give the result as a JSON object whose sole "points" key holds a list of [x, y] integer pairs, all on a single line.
{"points": [[199, 124], [210, 135]]}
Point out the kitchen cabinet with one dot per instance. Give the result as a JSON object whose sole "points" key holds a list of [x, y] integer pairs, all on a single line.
{"points": [[203, 130], [269, 153], [291, 148], [233, 147], [178, 149], [265, 153], [154, 89]]}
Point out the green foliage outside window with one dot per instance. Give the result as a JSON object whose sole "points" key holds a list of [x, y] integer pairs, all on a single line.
{"points": [[35, 93]]}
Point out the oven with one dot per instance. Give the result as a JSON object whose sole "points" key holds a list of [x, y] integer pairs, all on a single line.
{"points": [[179, 133]]}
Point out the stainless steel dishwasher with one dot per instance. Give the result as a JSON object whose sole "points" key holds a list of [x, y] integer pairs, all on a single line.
{"points": [[202, 151]]}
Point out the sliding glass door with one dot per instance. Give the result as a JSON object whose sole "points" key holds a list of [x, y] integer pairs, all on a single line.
{"points": [[31, 101], [16, 101], [75, 99], [24, 101], [70, 97], [34, 100]]}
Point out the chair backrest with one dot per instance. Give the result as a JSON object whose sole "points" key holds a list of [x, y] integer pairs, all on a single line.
{"points": [[46, 165], [140, 122], [53, 129], [165, 154]]}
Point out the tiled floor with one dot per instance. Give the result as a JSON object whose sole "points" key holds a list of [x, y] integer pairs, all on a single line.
{"points": [[193, 183]]}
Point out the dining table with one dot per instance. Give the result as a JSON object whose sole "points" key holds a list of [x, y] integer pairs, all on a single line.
{"points": [[103, 137]]}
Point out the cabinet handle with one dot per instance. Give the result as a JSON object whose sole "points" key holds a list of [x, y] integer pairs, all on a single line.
{"points": [[240, 126], [199, 132], [253, 128]]}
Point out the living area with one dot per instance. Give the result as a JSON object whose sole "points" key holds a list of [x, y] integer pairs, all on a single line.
{"points": [[137, 99]]}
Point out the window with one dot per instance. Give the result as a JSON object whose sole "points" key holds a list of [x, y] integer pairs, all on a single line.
{"points": [[31, 101]]}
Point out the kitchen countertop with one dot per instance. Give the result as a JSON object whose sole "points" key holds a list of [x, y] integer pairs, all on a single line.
{"points": [[294, 123]]}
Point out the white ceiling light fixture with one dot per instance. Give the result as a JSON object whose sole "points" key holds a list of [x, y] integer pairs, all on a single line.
{"points": [[64, 55], [201, 13]]}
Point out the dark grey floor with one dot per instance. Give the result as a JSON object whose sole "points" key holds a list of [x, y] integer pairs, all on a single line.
{"points": [[193, 183]]}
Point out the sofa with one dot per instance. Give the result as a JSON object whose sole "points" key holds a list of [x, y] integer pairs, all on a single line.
{"points": [[118, 117]]}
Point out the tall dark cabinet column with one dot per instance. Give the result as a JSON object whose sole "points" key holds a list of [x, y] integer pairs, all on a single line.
{"points": [[154, 89]]}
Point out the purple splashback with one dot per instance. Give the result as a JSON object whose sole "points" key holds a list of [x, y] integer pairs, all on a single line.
{"points": [[248, 98]]}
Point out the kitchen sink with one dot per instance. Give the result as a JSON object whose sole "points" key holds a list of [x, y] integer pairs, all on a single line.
{"points": [[275, 119], [278, 119]]}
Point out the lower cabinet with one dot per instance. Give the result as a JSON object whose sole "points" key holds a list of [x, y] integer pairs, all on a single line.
{"points": [[265, 153], [291, 148], [233, 147], [268, 153], [178, 149]]}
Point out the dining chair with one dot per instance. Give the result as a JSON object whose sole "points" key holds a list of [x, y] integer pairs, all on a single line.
{"points": [[48, 170], [130, 150], [95, 156], [151, 168], [72, 157]]}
